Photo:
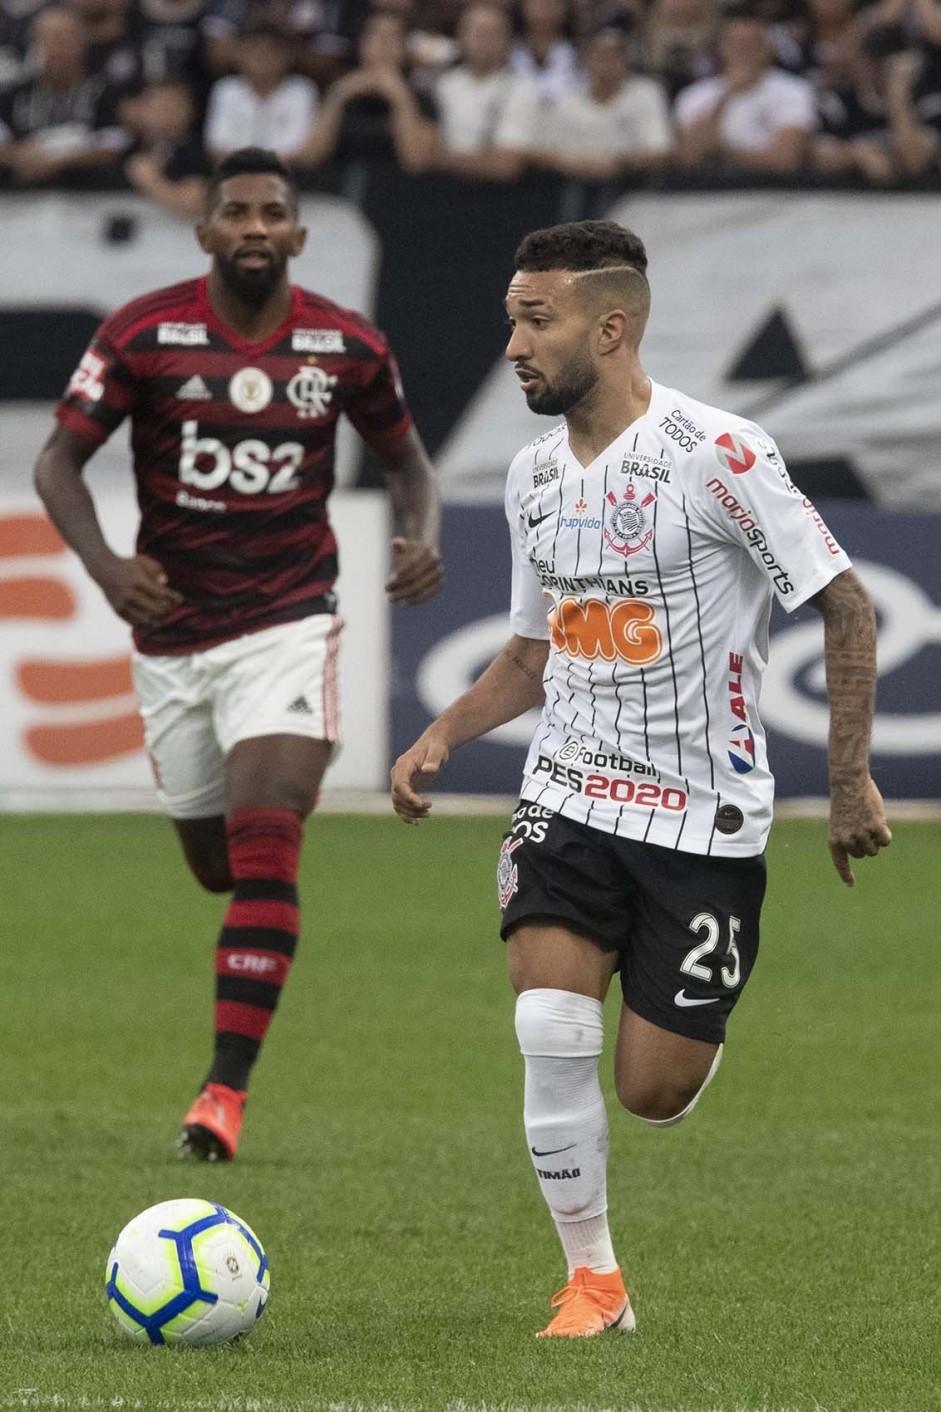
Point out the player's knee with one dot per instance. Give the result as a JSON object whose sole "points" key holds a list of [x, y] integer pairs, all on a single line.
{"points": [[665, 1099], [558, 1024], [656, 1101], [211, 873], [299, 797]]}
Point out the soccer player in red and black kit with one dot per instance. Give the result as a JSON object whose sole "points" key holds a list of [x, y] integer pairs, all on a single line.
{"points": [[234, 384]]}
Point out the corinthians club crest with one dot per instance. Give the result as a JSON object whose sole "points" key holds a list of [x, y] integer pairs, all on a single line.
{"points": [[507, 873], [627, 529], [311, 391]]}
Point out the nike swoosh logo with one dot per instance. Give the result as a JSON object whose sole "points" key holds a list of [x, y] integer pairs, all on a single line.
{"points": [[552, 1151], [535, 520], [681, 998]]}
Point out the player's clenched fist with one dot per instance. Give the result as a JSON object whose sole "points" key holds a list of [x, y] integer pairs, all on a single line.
{"points": [[416, 768], [858, 827], [416, 572], [138, 591]]}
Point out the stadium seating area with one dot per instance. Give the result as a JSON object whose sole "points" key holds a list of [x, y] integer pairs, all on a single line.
{"points": [[143, 94]]}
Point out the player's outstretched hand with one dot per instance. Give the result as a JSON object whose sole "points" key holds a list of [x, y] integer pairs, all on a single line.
{"points": [[858, 827], [138, 591], [413, 770], [416, 572]]}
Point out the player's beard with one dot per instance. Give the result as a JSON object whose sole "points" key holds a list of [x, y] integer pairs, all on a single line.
{"points": [[256, 286], [556, 399]]}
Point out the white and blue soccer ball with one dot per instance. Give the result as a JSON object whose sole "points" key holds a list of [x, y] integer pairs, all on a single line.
{"points": [[187, 1272]]}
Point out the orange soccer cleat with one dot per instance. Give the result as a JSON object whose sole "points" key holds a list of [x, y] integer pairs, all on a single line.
{"points": [[588, 1305], [211, 1127]]}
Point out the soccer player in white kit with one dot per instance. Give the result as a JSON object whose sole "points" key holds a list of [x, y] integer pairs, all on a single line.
{"points": [[649, 536]]}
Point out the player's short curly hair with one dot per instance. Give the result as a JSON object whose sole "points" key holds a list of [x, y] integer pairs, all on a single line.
{"points": [[249, 161], [582, 245]]}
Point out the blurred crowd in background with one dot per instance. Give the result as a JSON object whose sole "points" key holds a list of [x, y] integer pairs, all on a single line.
{"points": [[146, 94]]}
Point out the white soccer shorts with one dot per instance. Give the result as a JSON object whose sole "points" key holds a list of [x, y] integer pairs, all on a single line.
{"points": [[195, 707]]}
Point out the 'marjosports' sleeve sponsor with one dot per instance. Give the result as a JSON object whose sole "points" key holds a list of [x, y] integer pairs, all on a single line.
{"points": [[100, 391], [528, 603], [750, 498]]}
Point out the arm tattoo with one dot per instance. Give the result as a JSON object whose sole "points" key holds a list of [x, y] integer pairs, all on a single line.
{"points": [[850, 656], [534, 677]]}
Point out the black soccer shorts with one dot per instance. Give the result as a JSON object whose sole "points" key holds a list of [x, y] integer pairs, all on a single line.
{"points": [[685, 927]]}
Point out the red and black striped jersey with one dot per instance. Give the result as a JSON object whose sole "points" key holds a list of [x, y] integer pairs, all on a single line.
{"points": [[233, 448]]}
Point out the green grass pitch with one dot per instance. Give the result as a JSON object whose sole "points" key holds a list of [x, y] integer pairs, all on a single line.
{"points": [[782, 1247]]}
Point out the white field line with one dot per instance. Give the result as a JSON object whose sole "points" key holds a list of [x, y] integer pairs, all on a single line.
{"points": [[36, 1400], [60, 800]]}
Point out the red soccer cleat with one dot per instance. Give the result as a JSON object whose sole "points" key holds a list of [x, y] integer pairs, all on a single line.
{"points": [[211, 1127]]}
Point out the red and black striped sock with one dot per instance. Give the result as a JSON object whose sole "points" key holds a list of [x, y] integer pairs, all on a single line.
{"points": [[258, 938]]}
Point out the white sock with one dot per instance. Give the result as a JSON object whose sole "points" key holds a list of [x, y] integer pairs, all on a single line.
{"points": [[678, 1117], [561, 1037]]}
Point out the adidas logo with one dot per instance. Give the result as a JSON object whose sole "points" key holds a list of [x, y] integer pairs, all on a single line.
{"points": [[301, 706], [195, 390]]}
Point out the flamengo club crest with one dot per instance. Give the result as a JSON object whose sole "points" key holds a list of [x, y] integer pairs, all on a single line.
{"points": [[311, 391], [627, 531], [250, 390]]}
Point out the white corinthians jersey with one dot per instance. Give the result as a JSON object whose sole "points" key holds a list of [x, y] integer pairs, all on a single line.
{"points": [[651, 572]]}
